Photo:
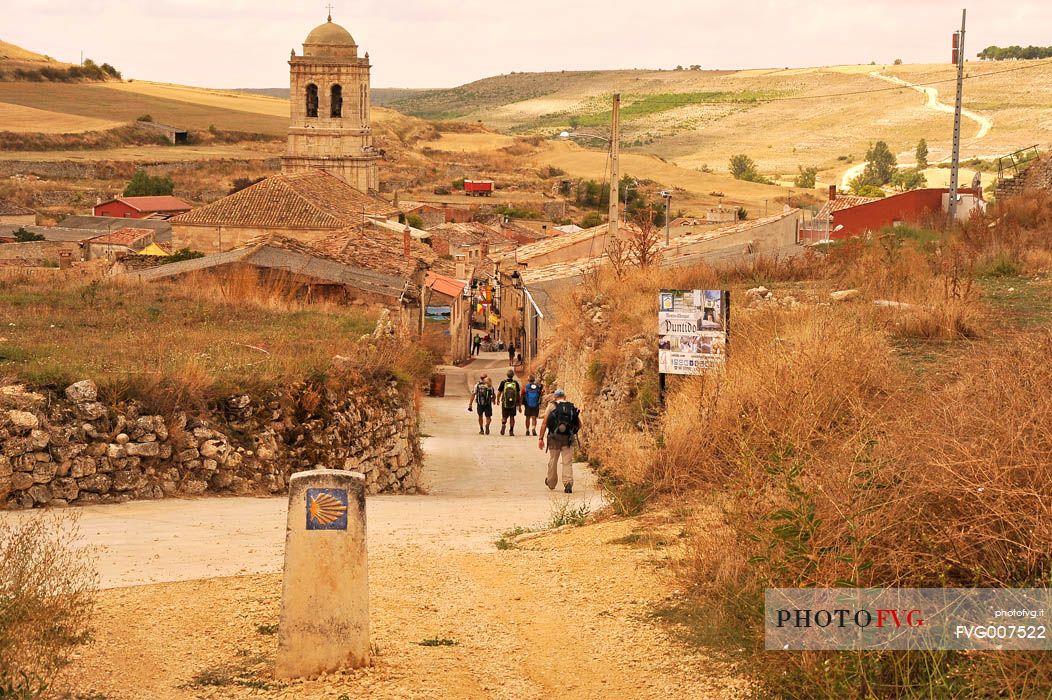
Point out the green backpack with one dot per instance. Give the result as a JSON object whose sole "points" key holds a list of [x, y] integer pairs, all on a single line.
{"points": [[509, 397]]}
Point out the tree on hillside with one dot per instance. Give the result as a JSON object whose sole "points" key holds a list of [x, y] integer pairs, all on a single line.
{"points": [[880, 165], [908, 179], [922, 154], [592, 219], [742, 167], [144, 185], [807, 177]]}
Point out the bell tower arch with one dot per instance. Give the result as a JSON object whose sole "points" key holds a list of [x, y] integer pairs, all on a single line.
{"points": [[329, 96]]}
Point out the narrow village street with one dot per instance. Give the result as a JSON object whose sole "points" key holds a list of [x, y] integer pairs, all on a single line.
{"points": [[192, 588]]}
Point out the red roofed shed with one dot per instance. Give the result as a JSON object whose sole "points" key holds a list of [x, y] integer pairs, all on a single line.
{"points": [[162, 206]]}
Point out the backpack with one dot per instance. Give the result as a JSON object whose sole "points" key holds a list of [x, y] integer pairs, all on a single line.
{"points": [[483, 395], [565, 419], [509, 397], [533, 395]]}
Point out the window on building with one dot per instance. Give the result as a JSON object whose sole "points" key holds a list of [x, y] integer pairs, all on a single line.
{"points": [[312, 100], [336, 101]]}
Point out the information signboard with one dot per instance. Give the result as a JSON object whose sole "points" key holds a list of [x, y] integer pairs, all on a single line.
{"points": [[693, 329]]}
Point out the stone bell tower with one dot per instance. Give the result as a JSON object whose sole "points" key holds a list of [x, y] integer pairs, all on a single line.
{"points": [[329, 126]]}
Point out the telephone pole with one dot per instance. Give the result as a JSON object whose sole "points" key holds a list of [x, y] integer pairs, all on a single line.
{"points": [[958, 57], [615, 169]]}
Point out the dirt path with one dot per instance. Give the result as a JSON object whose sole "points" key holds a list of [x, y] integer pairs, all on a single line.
{"points": [[566, 614], [934, 103], [478, 486]]}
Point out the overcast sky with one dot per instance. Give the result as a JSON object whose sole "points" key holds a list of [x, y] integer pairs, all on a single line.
{"points": [[442, 43]]}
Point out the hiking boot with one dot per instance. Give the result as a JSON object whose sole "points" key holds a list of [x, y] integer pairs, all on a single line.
{"points": [[511, 433], [568, 488], [487, 430], [481, 431], [501, 428]]}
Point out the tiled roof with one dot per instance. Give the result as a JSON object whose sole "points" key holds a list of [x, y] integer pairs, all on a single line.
{"points": [[375, 249], [282, 253], [467, 234], [845, 201], [163, 229], [554, 243], [444, 285], [127, 236], [309, 200], [520, 232], [155, 203], [11, 209]]}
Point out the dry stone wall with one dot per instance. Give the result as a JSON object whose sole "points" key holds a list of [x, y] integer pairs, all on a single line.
{"points": [[67, 449]]}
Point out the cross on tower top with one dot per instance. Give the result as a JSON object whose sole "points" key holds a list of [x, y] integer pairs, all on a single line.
{"points": [[329, 7]]}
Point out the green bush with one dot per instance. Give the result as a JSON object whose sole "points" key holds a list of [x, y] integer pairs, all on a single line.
{"points": [[144, 185], [807, 177]]}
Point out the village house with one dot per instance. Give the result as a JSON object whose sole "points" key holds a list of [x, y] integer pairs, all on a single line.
{"points": [[124, 241], [447, 298], [14, 215], [158, 207], [346, 268], [305, 206], [847, 216]]}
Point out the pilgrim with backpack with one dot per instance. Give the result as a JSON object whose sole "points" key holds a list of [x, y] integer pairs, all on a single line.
{"points": [[561, 425], [532, 395]]}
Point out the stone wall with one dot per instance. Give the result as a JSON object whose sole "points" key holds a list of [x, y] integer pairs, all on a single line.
{"points": [[36, 253], [73, 449]]}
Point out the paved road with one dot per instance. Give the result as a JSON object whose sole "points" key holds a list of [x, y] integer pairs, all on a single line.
{"points": [[478, 486]]}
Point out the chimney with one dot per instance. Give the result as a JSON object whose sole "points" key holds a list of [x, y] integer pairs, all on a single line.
{"points": [[460, 272], [405, 241], [832, 192]]}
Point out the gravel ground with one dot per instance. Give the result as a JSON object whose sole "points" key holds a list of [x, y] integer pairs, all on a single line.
{"points": [[564, 615]]}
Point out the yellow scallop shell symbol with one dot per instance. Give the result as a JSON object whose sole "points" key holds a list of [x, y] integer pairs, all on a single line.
{"points": [[325, 509]]}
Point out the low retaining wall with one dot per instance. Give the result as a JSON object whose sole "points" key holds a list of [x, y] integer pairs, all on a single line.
{"points": [[73, 449]]}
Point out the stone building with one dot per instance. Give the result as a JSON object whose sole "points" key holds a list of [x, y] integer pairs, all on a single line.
{"points": [[329, 92], [305, 206]]}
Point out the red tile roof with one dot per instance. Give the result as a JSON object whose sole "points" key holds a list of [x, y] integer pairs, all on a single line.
{"points": [[444, 285], [844, 201], [165, 203], [375, 249], [313, 199], [127, 236]]}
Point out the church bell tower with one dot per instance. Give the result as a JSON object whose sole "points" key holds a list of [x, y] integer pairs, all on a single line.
{"points": [[329, 126]]}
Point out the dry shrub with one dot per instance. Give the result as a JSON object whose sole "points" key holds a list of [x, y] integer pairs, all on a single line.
{"points": [[807, 379], [46, 602], [944, 487]]}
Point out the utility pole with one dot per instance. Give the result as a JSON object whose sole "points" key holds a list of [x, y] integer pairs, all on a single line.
{"points": [[958, 57], [667, 194], [615, 169]]}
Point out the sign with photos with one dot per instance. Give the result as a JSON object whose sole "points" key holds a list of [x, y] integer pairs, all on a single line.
{"points": [[693, 328]]}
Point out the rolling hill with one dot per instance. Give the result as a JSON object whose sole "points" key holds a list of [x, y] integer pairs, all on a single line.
{"points": [[782, 118]]}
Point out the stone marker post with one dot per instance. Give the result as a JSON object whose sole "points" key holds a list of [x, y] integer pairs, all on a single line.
{"points": [[325, 597]]}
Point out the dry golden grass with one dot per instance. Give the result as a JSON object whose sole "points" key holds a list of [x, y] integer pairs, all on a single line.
{"points": [[30, 120], [850, 445], [183, 343], [47, 590]]}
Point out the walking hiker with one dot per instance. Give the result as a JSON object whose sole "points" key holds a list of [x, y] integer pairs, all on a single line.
{"points": [[532, 394], [482, 396], [561, 424], [476, 345], [511, 353], [508, 392]]}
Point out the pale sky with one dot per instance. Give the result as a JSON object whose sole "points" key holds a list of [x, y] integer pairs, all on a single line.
{"points": [[443, 43]]}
